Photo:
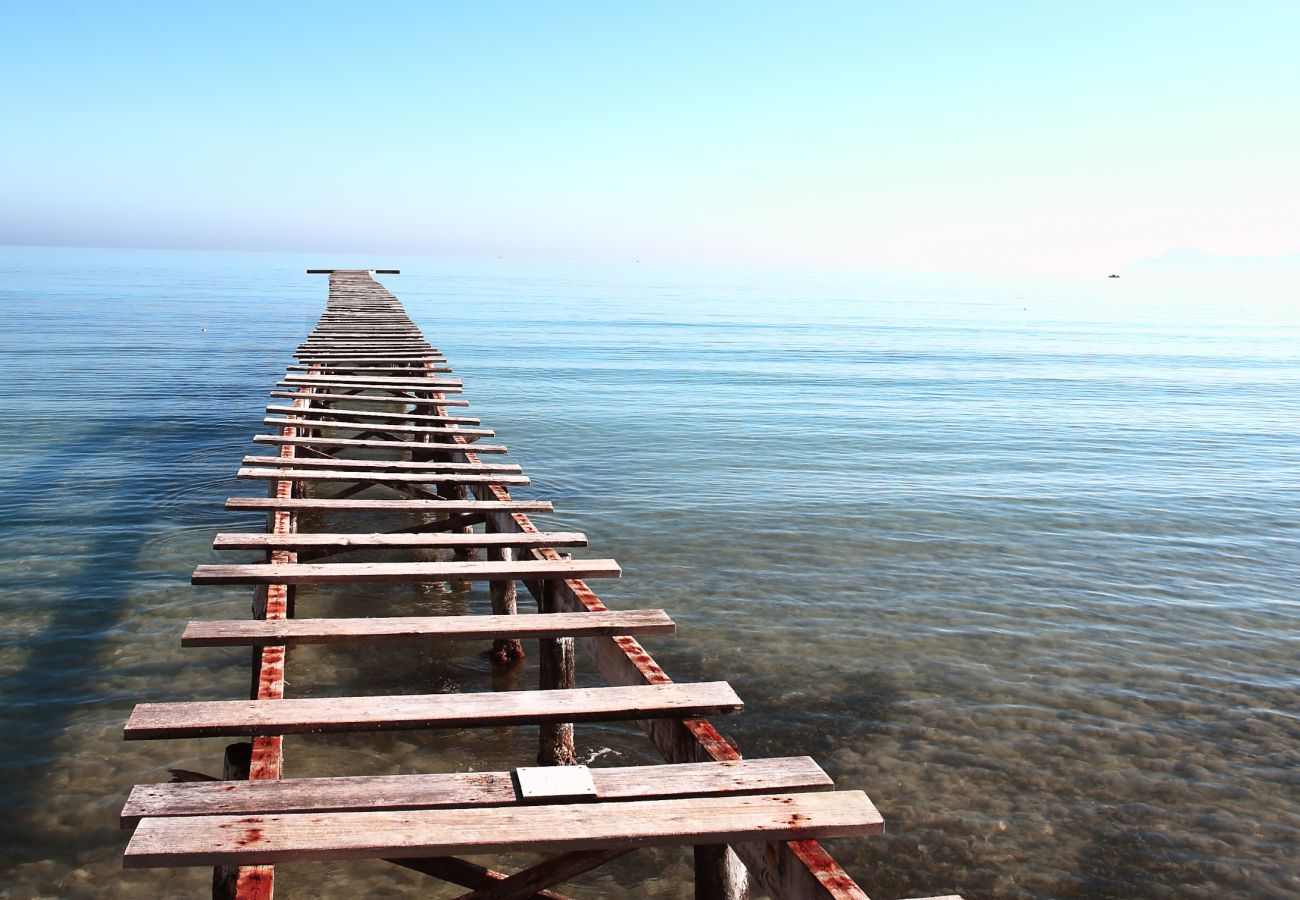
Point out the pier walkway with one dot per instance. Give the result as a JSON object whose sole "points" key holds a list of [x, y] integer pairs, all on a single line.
{"points": [[409, 449]]}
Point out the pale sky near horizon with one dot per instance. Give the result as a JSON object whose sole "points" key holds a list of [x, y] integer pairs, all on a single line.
{"points": [[984, 136]]}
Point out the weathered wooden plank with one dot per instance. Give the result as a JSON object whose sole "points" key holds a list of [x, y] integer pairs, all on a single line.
{"points": [[385, 346], [323, 504], [420, 506], [423, 382], [400, 572], [372, 443], [373, 386], [371, 398], [352, 334], [321, 358], [375, 414], [343, 331], [261, 541], [402, 629], [395, 428], [379, 477], [395, 465], [404, 356], [208, 840], [215, 718]]}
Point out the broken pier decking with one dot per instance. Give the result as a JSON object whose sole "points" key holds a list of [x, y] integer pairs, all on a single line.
{"points": [[364, 348]]}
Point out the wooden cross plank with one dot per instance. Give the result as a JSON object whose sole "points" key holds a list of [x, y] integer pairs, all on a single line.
{"points": [[284, 422], [373, 386], [212, 840], [326, 504], [325, 359], [403, 572], [371, 443], [359, 367], [334, 462], [216, 718], [378, 477], [404, 629], [375, 414], [369, 398], [263, 541]]}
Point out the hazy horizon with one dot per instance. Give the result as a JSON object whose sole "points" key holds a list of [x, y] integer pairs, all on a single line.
{"points": [[1012, 138]]}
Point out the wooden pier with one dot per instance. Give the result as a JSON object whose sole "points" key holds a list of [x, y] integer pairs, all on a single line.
{"points": [[423, 458]]}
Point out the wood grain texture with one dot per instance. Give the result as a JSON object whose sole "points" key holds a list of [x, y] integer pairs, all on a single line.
{"points": [[356, 414], [424, 383], [209, 840], [412, 506], [230, 540], [395, 464], [353, 425], [307, 474], [366, 398], [372, 386], [378, 792], [397, 573], [215, 718], [370, 443], [396, 629]]}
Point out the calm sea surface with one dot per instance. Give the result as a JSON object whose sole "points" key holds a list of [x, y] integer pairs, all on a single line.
{"points": [[1020, 560]]}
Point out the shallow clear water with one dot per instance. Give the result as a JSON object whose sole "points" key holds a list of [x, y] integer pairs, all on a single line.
{"points": [[1018, 559]]}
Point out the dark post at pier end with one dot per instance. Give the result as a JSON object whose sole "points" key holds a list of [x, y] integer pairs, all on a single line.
{"points": [[371, 271]]}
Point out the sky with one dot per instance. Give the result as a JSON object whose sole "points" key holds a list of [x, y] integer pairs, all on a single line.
{"points": [[952, 136]]}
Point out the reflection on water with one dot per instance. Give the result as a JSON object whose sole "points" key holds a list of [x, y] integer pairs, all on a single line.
{"points": [[1017, 560]]}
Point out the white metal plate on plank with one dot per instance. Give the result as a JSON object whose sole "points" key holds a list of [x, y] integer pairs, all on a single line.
{"points": [[535, 783]]}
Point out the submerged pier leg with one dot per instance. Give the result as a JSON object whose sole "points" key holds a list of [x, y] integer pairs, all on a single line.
{"points": [[719, 874], [555, 740], [234, 767], [505, 596]]}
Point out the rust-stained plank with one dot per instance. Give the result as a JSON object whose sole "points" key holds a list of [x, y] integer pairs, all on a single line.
{"points": [[207, 840]]}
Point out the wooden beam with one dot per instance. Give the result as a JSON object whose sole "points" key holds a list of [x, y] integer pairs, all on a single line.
{"points": [[465, 873], [209, 840], [301, 423], [335, 462], [215, 718], [412, 506], [392, 388], [236, 540], [402, 572], [375, 414], [399, 629], [556, 870], [302, 441], [306, 474], [368, 398], [465, 789]]}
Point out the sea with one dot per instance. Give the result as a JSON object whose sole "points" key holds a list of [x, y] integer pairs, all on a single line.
{"points": [[1017, 556]]}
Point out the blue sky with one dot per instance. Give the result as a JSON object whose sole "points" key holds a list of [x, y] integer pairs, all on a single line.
{"points": [[1045, 136]]}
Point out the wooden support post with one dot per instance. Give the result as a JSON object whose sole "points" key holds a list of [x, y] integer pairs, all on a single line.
{"points": [[504, 594], [555, 741], [465, 873], [458, 492], [525, 884], [234, 767], [719, 874]]}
